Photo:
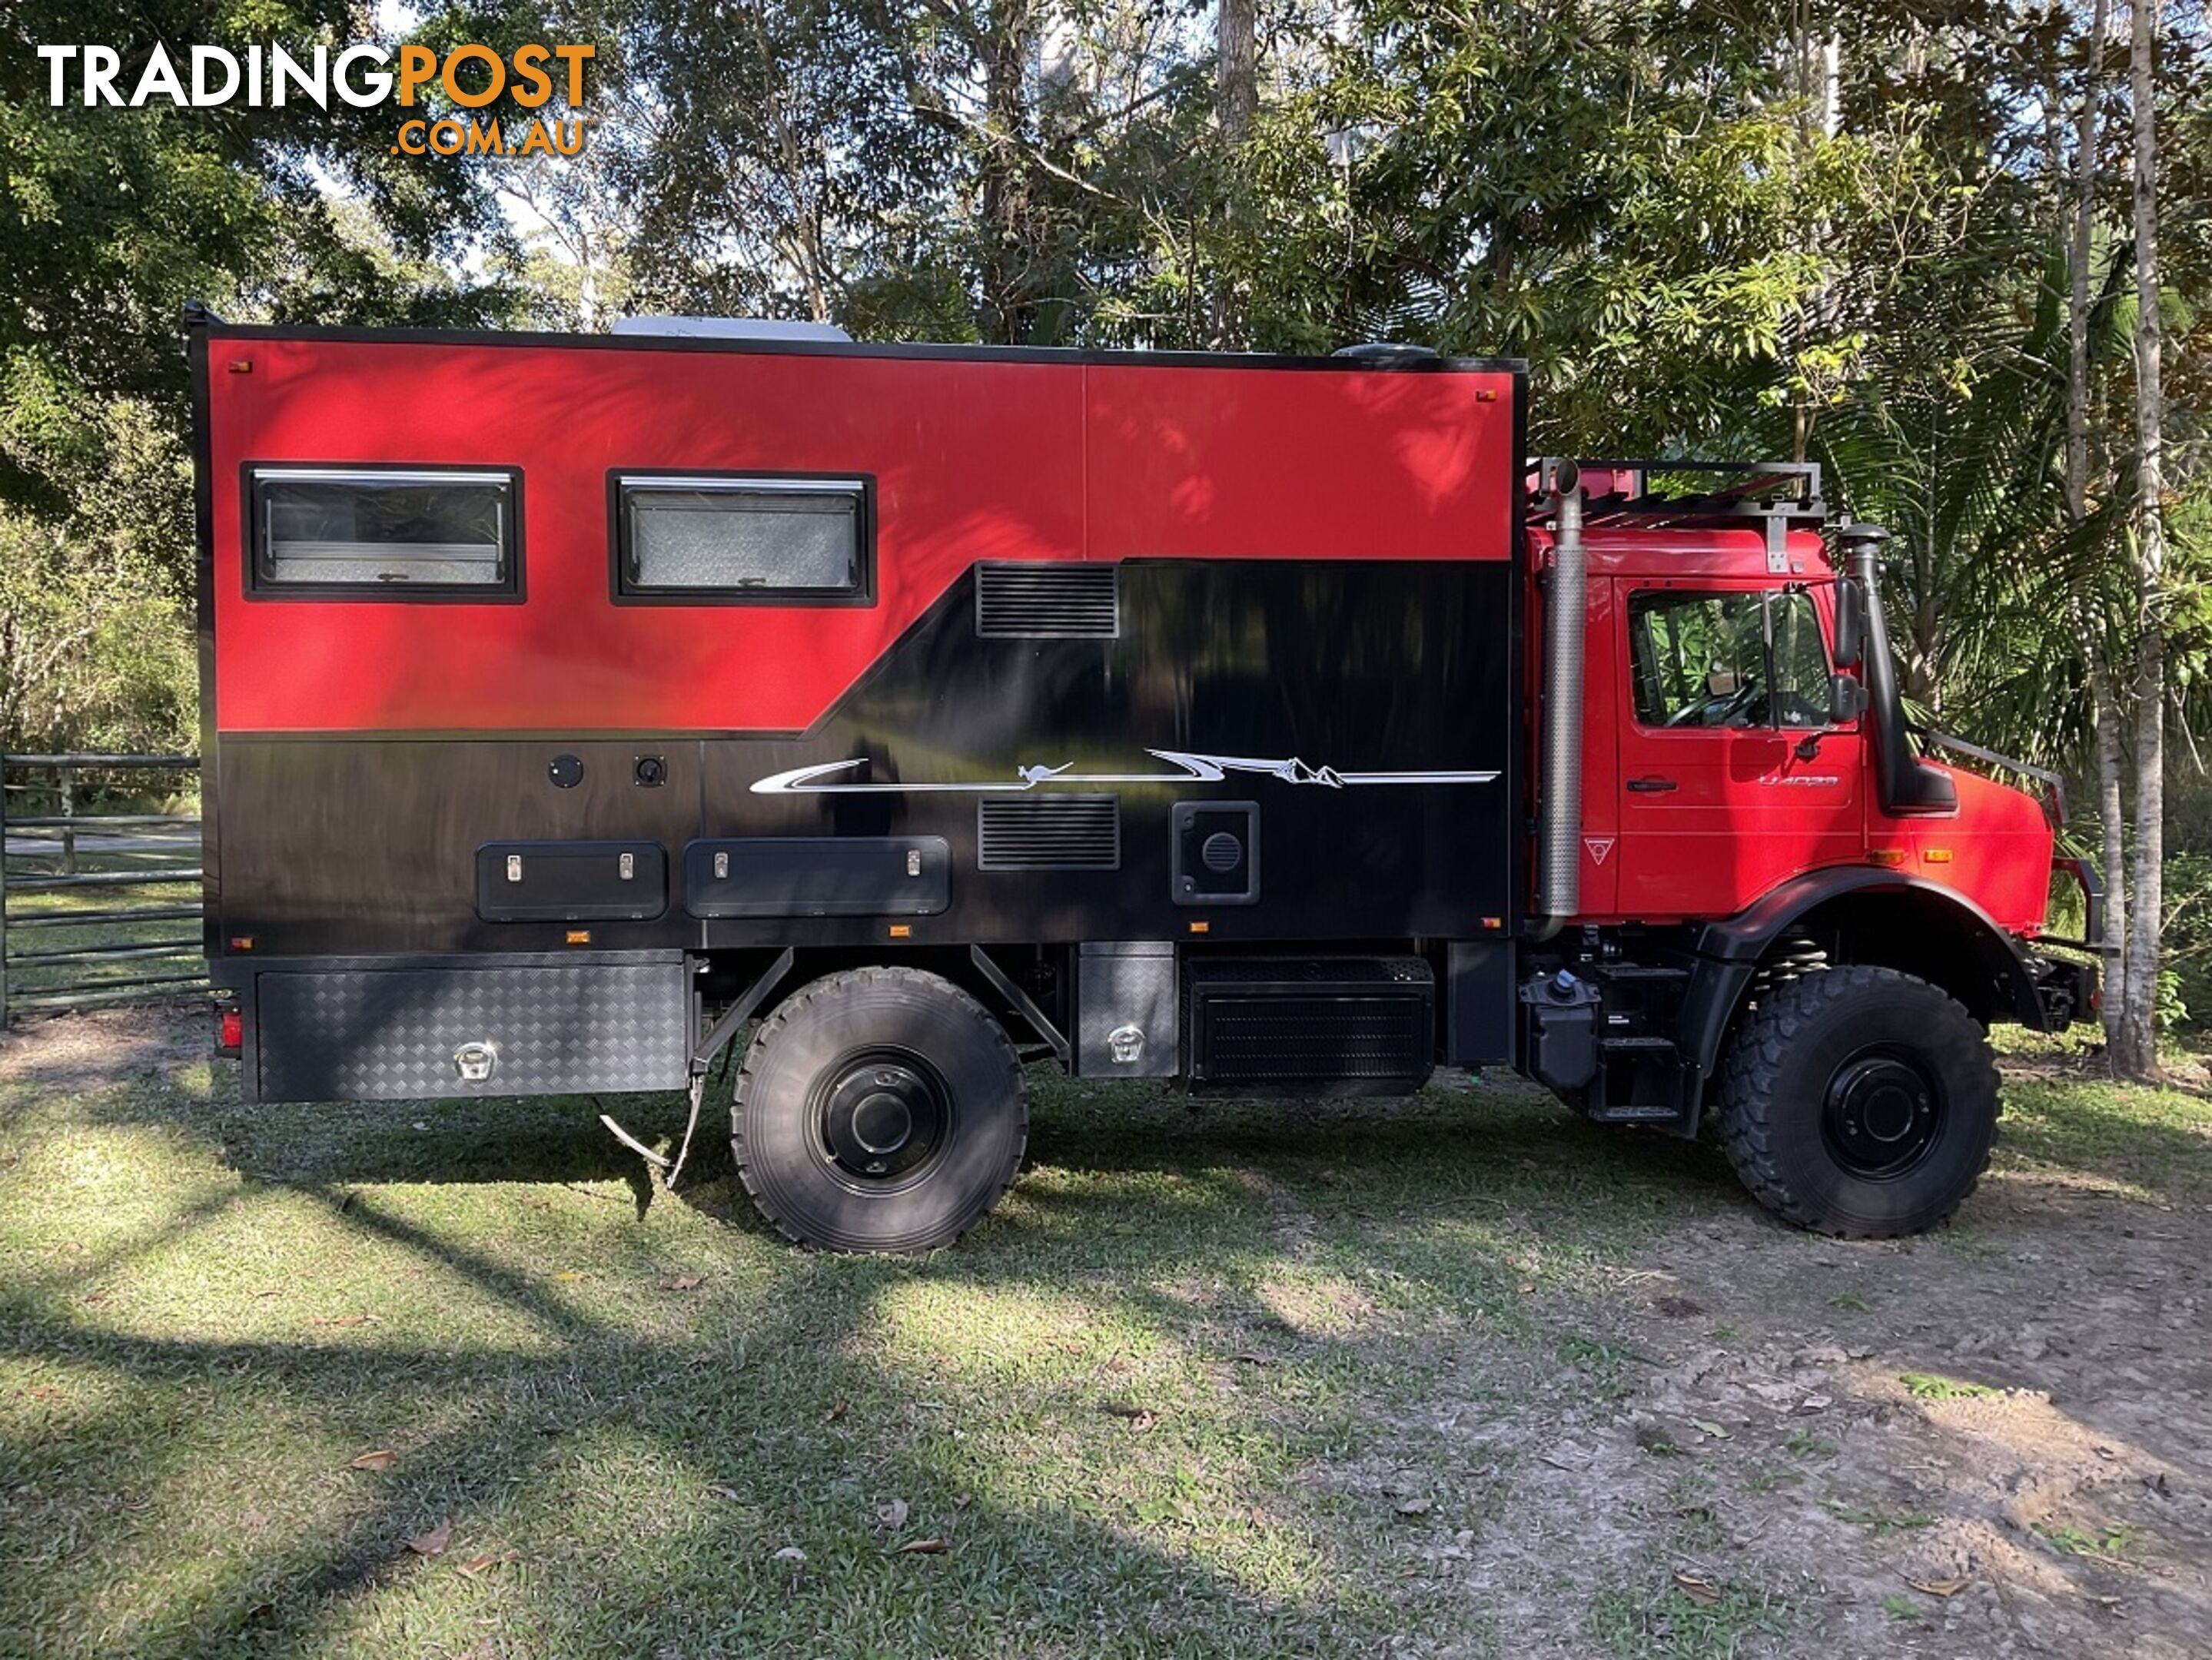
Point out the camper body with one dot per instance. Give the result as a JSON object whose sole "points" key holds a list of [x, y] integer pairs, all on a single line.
{"points": [[572, 704]]}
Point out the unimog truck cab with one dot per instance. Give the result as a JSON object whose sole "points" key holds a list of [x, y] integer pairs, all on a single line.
{"points": [[1778, 909]]}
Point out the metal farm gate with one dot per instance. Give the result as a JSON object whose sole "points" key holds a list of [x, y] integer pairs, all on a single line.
{"points": [[100, 881]]}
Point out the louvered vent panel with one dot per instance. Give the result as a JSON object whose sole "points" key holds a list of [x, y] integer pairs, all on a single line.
{"points": [[1049, 832], [1278, 1039], [1048, 602]]}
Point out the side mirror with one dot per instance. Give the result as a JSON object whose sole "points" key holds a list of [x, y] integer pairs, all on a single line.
{"points": [[1850, 623], [1847, 699]]}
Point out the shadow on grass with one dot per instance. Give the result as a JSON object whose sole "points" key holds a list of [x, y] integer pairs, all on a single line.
{"points": [[724, 1457], [633, 1466], [1480, 1146], [624, 1460]]}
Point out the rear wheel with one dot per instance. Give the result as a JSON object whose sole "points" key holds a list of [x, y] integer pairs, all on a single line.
{"points": [[878, 1109], [1859, 1102]]}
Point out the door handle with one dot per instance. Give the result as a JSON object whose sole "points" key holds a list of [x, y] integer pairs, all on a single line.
{"points": [[1652, 786]]}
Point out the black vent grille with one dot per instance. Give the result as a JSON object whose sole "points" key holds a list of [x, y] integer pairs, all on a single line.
{"points": [[1048, 602], [1284, 1039], [1361, 1025], [1049, 832]]}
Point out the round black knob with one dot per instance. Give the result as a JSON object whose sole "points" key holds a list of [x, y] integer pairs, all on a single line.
{"points": [[566, 770], [651, 771]]}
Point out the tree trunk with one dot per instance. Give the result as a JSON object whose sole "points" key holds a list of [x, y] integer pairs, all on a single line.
{"points": [[2137, 1055], [1237, 69], [1008, 308], [1821, 92], [2112, 816], [1237, 98]]}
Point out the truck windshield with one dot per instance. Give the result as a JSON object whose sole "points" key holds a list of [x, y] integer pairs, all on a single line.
{"points": [[1701, 659]]}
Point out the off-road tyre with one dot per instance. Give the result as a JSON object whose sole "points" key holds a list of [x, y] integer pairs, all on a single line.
{"points": [[828, 1079], [1836, 1071]]}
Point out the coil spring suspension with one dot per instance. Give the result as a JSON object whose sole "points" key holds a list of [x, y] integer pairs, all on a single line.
{"points": [[1792, 957]]}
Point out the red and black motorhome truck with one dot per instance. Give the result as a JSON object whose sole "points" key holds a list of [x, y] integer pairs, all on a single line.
{"points": [[1269, 724]]}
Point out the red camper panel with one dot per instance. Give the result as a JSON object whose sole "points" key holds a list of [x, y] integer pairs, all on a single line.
{"points": [[971, 460]]}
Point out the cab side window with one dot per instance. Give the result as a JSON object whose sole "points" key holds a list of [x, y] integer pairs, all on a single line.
{"points": [[1701, 659], [1800, 661]]}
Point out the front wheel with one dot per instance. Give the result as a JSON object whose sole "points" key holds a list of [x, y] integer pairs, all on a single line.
{"points": [[1859, 1102], [878, 1109]]}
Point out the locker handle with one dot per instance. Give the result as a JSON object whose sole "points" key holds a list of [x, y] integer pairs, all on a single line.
{"points": [[1652, 786]]}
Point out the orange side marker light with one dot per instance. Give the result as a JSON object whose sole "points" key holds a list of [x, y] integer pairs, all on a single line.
{"points": [[579, 936]]}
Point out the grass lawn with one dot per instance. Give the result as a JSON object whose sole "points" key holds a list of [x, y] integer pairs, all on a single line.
{"points": [[1249, 1380]]}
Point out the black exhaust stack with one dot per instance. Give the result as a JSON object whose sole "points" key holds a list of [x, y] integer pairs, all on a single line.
{"points": [[1906, 785]]}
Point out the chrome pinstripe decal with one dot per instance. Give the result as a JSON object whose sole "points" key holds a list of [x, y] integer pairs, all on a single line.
{"points": [[1193, 769]]}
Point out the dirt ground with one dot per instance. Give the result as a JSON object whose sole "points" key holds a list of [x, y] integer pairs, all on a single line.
{"points": [[1993, 1441]]}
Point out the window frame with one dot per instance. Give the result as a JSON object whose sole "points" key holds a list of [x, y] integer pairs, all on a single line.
{"points": [[1766, 593], [625, 592], [511, 590]]}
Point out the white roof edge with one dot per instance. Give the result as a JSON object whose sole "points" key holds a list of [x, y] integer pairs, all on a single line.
{"points": [[731, 328]]}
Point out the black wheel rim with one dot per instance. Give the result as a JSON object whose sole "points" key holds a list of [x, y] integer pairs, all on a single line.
{"points": [[1882, 1112], [882, 1118]]}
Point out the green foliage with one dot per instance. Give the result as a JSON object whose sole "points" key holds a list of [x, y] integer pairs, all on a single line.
{"points": [[96, 630], [1931, 1386], [1702, 244], [2186, 988], [112, 218], [794, 165], [2068, 1540], [1627, 195]]}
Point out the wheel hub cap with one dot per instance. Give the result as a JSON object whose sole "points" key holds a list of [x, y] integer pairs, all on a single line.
{"points": [[881, 1116], [1880, 1115]]}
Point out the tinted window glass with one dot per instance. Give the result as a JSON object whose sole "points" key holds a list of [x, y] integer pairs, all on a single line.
{"points": [[1700, 659], [1800, 661], [743, 537], [383, 529]]}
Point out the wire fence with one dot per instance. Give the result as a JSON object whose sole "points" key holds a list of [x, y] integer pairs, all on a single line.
{"points": [[100, 881]]}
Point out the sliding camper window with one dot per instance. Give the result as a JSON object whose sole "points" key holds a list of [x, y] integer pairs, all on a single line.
{"points": [[379, 531], [742, 538]]}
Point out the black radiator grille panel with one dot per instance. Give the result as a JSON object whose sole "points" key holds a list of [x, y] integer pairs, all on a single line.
{"points": [[1062, 601], [1049, 832], [1278, 1038]]}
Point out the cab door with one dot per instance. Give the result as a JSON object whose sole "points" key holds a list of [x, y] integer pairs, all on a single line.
{"points": [[1731, 778]]}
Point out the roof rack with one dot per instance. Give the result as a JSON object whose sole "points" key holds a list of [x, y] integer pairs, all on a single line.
{"points": [[1777, 496]]}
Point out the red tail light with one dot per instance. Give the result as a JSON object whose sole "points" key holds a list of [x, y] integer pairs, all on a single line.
{"points": [[230, 1032]]}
